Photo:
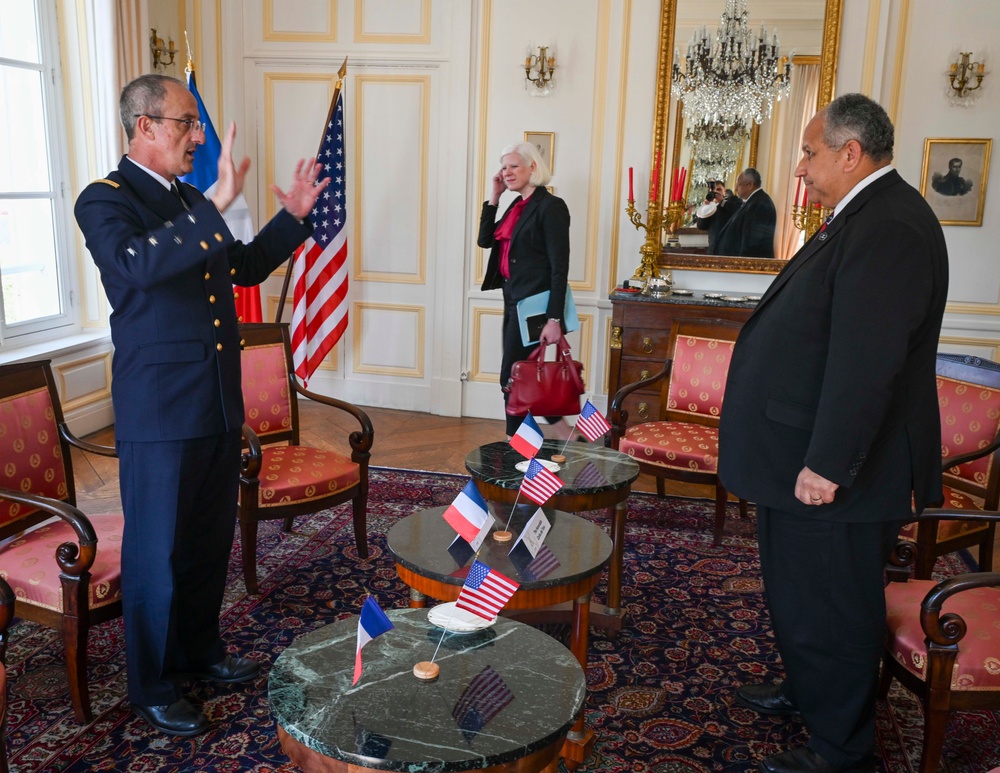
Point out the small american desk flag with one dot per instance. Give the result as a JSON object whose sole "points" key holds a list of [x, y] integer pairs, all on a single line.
{"points": [[592, 424], [319, 316], [539, 484], [485, 591]]}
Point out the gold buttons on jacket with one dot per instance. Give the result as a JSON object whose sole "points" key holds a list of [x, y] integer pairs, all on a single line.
{"points": [[218, 323], [219, 347], [232, 272], [211, 299], [218, 237], [204, 245], [207, 276], [243, 342]]}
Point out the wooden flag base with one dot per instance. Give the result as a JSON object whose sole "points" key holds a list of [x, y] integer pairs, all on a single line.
{"points": [[558, 458], [502, 536], [426, 671]]}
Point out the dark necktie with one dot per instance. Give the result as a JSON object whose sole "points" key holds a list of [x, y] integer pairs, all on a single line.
{"points": [[177, 194]]}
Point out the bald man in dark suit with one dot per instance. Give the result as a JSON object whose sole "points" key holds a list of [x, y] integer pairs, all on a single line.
{"points": [[831, 426], [168, 263]]}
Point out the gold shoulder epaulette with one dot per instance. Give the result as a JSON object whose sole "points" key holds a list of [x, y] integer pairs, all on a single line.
{"points": [[106, 181]]}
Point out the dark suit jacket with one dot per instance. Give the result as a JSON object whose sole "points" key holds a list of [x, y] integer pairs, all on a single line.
{"points": [[168, 274], [539, 250], [834, 370], [750, 232], [716, 222]]}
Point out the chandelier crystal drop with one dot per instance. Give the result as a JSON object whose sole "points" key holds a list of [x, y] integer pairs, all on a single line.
{"points": [[736, 78], [715, 151]]}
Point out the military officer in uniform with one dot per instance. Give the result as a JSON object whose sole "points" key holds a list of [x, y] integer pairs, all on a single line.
{"points": [[168, 263]]}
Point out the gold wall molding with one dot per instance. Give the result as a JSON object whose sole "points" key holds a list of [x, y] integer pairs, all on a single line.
{"points": [[899, 66], [357, 323], [423, 36], [329, 35], [479, 314], [423, 82], [871, 47], [992, 343], [479, 270], [977, 309], [63, 372], [616, 218]]}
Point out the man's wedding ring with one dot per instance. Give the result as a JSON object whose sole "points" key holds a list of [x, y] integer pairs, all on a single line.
{"points": [[816, 499]]}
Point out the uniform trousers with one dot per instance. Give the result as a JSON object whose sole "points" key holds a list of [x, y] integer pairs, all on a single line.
{"points": [[825, 591], [179, 499]]}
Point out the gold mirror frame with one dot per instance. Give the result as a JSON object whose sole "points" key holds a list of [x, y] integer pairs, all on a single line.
{"points": [[829, 53]]}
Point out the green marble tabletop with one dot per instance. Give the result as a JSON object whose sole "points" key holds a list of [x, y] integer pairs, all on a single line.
{"points": [[574, 548], [588, 468], [503, 693]]}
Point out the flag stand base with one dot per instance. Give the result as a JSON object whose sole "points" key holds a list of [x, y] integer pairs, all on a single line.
{"points": [[558, 458], [502, 536], [426, 670]]}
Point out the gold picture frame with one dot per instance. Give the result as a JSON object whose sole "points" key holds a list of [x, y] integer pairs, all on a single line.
{"points": [[545, 144], [954, 177]]}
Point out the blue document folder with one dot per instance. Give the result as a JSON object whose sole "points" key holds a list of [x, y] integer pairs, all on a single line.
{"points": [[532, 314]]}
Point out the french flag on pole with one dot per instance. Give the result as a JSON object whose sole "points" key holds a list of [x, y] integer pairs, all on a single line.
{"points": [[373, 622], [468, 514], [528, 438]]}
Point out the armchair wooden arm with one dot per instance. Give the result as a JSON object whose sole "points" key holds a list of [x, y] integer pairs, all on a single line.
{"points": [[85, 445], [250, 464], [74, 559], [361, 442], [617, 415]]}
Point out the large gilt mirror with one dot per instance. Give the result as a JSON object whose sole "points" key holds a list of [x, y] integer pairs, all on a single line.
{"points": [[810, 29]]}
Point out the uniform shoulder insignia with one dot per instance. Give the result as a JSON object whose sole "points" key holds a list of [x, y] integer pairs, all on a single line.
{"points": [[106, 181]]}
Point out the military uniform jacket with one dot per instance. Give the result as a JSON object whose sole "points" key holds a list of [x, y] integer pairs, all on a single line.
{"points": [[168, 274], [539, 250], [835, 369]]}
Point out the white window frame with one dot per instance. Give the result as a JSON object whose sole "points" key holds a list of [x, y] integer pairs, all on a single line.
{"points": [[66, 322]]}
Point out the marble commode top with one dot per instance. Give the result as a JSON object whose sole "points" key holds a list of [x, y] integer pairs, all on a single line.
{"points": [[503, 692]]}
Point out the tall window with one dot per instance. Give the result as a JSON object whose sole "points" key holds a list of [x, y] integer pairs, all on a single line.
{"points": [[33, 210]]}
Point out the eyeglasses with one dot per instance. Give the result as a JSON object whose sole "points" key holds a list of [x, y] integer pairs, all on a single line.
{"points": [[190, 123]]}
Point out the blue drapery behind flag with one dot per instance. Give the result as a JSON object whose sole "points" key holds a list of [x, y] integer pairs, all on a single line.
{"points": [[204, 176]]}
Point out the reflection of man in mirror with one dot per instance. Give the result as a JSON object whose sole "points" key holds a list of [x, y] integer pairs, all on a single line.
{"points": [[750, 232], [715, 212], [951, 184]]}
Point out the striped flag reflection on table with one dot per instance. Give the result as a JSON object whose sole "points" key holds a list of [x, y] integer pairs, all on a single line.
{"points": [[590, 477], [544, 564], [485, 591], [539, 484], [592, 424], [485, 697]]}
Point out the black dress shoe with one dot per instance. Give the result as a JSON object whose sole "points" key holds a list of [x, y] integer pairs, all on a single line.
{"points": [[766, 699], [179, 718], [229, 670], [805, 760]]}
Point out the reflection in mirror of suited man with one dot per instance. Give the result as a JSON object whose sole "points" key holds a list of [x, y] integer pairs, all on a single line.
{"points": [[952, 183]]}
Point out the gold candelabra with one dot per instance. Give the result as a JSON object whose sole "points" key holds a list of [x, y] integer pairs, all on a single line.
{"points": [[808, 218], [673, 218], [163, 55], [650, 250], [963, 72], [539, 69]]}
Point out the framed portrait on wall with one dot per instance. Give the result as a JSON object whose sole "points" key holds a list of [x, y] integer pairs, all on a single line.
{"points": [[545, 144], [953, 179]]}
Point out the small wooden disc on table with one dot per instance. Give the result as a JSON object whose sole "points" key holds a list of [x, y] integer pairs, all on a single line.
{"points": [[426, 671], [502, 536], [558, 458]]}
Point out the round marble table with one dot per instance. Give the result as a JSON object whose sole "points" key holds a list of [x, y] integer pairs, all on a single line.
{"points": [[577, 551], [505, 699], [594, 478]]}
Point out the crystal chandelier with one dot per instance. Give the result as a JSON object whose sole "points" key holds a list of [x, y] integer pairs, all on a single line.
{"points": [[715, 150], [736, 79]]}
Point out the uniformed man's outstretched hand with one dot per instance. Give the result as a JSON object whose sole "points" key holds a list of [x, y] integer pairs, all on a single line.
{"points": [[231, 177], [306, 188]]}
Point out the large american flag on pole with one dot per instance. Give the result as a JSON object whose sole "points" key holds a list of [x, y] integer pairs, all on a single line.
{"points": [[319, 267]]}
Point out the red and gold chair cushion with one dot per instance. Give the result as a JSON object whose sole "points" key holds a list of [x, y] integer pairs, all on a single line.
{"points": [[698, 375], [28, 562], [955, 500], [970, 420], [674, 444], [33, 462], [294, 474], [265, 390], [977, 666]]}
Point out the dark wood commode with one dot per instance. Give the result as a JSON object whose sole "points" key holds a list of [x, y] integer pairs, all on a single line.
{"points": [[640, 328]]}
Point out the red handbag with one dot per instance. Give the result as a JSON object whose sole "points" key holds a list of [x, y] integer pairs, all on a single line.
{"points": [[546, 388]]}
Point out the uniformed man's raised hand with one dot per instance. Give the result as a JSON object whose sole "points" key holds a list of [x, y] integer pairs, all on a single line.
{"points": [[306, 188], [231, 177]]}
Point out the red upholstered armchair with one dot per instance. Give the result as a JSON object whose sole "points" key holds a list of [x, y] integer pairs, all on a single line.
{"points": [[943, 641], [683, 444], [64, 566], [6, 618], [282, 478], [969, 400]]}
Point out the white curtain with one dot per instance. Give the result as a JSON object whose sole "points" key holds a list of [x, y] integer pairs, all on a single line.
{"points": [[131, 48], [793, 113]]}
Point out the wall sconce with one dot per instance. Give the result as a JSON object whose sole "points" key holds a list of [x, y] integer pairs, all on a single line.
{"points": [[538, 71], [961, 74], [163, 56]]}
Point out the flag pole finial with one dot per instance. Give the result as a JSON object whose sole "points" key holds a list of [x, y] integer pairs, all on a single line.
{"points": [[190, 58]]}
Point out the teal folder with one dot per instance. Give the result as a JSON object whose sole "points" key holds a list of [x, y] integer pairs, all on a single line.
{"points": [[532, 315]]}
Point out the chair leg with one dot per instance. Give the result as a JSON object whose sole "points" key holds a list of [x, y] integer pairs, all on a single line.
{"points": [[248, 547], [986, 548], [660, 489], [721, 498], [743, 508], [286, 525], [360, 507], [75, 645], [884, 678], [935, 724]]}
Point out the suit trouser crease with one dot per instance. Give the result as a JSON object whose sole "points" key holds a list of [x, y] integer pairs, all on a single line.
{"points": [[179, 499], [825, 591]]}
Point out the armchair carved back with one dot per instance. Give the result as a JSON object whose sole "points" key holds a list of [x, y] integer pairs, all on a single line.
{"points": [[268, 398], [701, 353]]}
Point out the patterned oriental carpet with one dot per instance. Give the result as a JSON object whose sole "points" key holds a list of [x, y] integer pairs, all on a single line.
{"points": [[661, 693]]}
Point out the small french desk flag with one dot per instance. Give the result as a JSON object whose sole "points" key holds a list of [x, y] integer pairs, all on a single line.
{"points": [[373, 621], [528, 438], [468, 514]]}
